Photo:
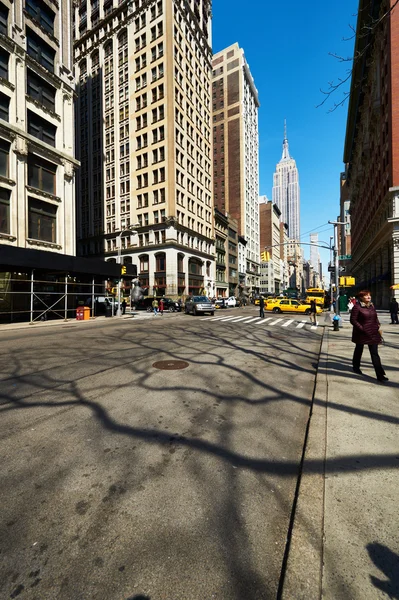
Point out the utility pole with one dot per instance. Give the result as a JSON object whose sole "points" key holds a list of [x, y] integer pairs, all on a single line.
{"points": [[336, 263]]}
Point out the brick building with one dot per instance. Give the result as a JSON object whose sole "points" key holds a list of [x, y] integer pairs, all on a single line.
{"points": [[372, 150], [235, 150]]}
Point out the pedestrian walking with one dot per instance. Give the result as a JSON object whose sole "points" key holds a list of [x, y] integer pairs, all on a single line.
{"points": [[393, 309], [262, 307], [155, 306], [313, 312], [161, 307], [366, 330], [123, 306]]}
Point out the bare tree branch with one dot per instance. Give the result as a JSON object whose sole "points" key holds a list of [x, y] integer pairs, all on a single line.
{"points": [[365, 32]]}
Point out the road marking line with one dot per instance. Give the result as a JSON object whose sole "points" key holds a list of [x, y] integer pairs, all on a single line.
{"points": [[241, 319], [300, 325], [254, 319], [228, 318], [314, 327], [275, 322], [263, 321], [288, 323]]}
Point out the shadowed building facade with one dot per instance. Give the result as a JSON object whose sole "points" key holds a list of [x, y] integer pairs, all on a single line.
{"points": [[371, 151]]}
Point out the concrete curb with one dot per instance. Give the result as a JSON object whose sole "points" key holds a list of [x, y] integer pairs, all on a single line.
{"points": [[304, 567]]}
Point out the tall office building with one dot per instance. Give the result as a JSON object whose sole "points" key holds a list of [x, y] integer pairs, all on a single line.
{"points": [[314, 250], [286, 190], [235, 150], [37, 196], [144, 80]]}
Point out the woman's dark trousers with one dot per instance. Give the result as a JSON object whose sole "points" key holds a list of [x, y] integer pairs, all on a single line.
{"points": [[375, 359]]}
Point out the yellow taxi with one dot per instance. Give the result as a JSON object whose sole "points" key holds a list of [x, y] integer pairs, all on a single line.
{"points": [[267, 300], [291, 306]]}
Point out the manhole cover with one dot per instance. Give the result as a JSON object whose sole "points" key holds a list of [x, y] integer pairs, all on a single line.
{"points": [[170, 365]]}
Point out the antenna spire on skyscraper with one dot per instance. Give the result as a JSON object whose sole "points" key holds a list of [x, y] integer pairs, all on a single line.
{"points": [[286, 152]]}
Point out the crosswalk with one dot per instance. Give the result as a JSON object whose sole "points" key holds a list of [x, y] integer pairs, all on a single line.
{"points": [[267, 321]]}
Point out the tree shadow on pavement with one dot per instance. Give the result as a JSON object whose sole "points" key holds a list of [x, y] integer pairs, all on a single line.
{"points": [[387, 562]]}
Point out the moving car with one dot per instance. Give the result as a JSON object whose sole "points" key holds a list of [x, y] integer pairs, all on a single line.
{"points": [[199, 305], [291, 306]]}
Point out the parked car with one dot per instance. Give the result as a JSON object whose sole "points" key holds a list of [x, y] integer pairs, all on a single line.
{"points": [[199, 305], [230, 302], [291, 306], [220, 303]]}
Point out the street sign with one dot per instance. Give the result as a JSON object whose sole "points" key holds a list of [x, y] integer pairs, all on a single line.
{"points": [[345, 257], [342, 269], [331, 269]]}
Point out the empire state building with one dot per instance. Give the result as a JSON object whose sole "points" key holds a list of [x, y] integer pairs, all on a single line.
{"points": [[286, 190]]}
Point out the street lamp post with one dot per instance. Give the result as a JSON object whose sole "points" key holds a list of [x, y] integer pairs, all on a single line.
{"points": [[336, 263]]}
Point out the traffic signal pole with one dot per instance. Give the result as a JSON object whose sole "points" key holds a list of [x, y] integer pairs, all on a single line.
{"points": [[336, 263]]}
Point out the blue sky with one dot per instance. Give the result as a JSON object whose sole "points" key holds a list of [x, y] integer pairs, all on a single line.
{"points": [[286, 45]]}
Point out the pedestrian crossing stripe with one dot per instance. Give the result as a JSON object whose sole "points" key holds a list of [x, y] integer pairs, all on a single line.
{"points": [[262, 321], [287, 323]]}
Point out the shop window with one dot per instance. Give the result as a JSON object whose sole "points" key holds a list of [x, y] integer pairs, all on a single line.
{"points": [[42, 219]]}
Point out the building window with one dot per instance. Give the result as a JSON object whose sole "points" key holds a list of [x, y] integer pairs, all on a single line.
{"points": [[3, 19], [144, 264], [4, 210], [40, 51], [42, 220], [40, 90], [160, 262], [41, 13], [4, 107], [4, 157], [41, 129], [4, 57], [41, 174]]}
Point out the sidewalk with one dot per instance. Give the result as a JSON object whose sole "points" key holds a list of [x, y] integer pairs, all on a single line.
{"points": [[345, 541], [4, 327]]}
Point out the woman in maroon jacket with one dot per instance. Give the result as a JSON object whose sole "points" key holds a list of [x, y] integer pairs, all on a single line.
{"points": [[366, 330]]}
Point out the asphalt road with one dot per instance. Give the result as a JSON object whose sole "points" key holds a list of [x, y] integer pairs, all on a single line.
{"points": [[120, 480]]}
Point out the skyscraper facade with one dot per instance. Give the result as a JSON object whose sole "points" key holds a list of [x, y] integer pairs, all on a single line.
{"points": [[235, 150], [286, 191], [144, 138]]}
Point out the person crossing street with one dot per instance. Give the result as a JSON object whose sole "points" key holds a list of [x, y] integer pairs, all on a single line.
{"points": [[262, 307]]}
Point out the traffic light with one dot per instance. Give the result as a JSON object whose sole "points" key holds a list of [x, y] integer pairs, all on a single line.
{"points": [[342, 281], [350, 281], [265, 256]]}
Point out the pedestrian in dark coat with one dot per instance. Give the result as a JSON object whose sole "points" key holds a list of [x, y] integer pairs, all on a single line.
{"points": [[161, 306], [366, 330], [313, 312], [262, 307], [393, 309]]}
